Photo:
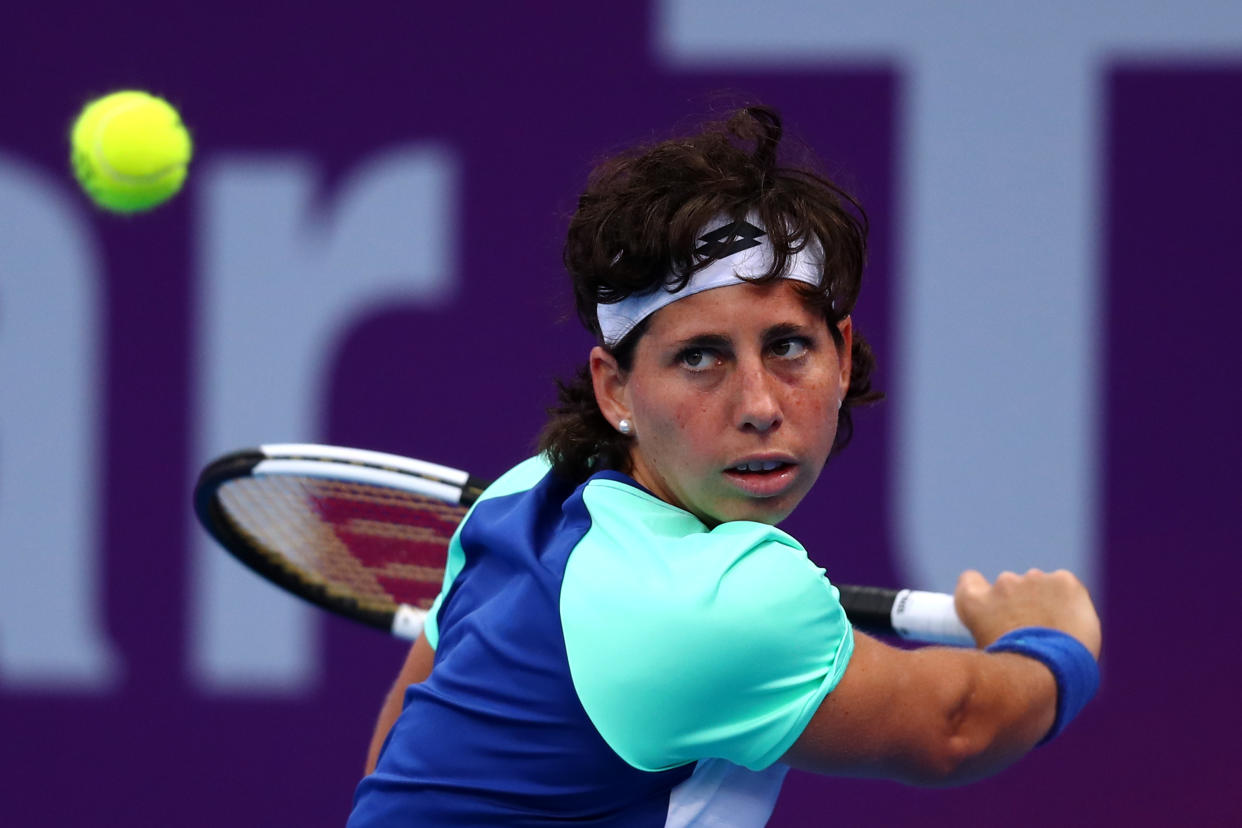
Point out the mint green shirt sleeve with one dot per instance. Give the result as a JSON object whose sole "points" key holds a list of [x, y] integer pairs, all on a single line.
{"points": [[686, 644], [519, 478]]}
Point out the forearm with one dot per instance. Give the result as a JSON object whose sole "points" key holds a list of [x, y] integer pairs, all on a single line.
{"points": [[389, 711], [995, 708], [936, 716], [941, 716], [417, 668]]}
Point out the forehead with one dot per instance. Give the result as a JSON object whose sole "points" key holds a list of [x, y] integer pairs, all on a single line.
{"points": [[734, 312]]}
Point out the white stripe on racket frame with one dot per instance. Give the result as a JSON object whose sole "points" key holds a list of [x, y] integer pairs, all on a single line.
{"points": [[360, 474], [311, 451]]}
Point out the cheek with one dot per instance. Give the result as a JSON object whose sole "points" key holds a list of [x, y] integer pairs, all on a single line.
{"points": [[683, 433], [679, 432], [691, 415], [816, 415]]}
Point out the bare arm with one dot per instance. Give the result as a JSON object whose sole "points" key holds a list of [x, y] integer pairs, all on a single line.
{"points": [[941, 716], [416, 668]]}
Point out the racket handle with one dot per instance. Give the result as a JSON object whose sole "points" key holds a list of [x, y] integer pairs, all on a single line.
{"points": [[912, 614]]}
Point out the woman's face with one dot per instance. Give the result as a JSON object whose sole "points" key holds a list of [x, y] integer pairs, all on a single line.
{"points": [[733, 396]]}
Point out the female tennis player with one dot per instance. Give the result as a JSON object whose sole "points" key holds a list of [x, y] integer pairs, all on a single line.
{"points": [[624, 637]]}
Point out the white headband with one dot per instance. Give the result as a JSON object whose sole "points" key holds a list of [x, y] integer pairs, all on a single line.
{"points": [[748, 257]]}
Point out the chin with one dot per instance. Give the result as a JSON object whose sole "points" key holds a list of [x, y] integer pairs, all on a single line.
{"points": [[756, 512]]}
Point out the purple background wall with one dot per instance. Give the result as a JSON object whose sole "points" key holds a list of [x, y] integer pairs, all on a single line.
{"points": [[526, 100]]}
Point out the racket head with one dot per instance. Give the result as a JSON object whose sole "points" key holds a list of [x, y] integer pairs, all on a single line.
{"points": [[359, 533]]}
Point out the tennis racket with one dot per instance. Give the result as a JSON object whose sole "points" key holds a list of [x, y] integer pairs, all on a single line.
{"points": [[365, 535]]}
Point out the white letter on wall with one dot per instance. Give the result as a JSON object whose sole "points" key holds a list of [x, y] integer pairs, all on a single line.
{"points": [[51, 358]]}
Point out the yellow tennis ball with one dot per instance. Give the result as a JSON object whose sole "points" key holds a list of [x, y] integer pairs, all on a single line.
{"points": [[130, 151]]}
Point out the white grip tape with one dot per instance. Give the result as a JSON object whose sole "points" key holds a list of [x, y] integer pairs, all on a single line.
{"points": [[407, 622], [929, 617]]}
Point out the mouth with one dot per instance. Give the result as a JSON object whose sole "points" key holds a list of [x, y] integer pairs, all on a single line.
{"points": [[762, 477]]}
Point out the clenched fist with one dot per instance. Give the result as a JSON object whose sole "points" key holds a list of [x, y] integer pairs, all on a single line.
{"points": [[1037, 599]]}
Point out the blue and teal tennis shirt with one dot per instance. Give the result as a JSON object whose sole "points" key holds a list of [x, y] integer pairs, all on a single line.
{"points": [[603, 657]]}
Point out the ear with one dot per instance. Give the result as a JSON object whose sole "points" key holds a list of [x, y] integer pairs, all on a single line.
{"points": [[845, 353], [609, 382]]}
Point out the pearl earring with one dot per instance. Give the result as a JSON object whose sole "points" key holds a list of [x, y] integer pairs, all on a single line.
{"points": [[625, 427]]}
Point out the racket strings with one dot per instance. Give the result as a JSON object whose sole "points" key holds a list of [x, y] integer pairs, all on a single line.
{"points": [[377, 546]]}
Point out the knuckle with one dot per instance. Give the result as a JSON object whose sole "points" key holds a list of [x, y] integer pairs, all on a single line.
{"points": [[1065, 579], [970, 582]]}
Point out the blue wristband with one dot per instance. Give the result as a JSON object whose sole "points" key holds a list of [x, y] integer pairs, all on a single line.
{"points": [[1072, 665]]}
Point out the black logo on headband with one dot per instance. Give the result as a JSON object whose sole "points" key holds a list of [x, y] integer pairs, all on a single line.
{"points": [[729, 239]]}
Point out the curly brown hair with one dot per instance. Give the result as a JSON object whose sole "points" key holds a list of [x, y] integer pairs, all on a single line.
{"points": [[638, 221]]}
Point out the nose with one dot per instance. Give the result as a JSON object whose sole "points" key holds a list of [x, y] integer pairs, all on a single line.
{"points": [[759, 408]]}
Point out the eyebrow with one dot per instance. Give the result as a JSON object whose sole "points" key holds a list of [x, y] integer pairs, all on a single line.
{"points": [[785, 330], [717, 340], [704, 340]]}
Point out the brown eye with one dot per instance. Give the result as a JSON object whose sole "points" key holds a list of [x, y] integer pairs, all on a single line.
{"points": [[697, 359], [790, 348]]}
